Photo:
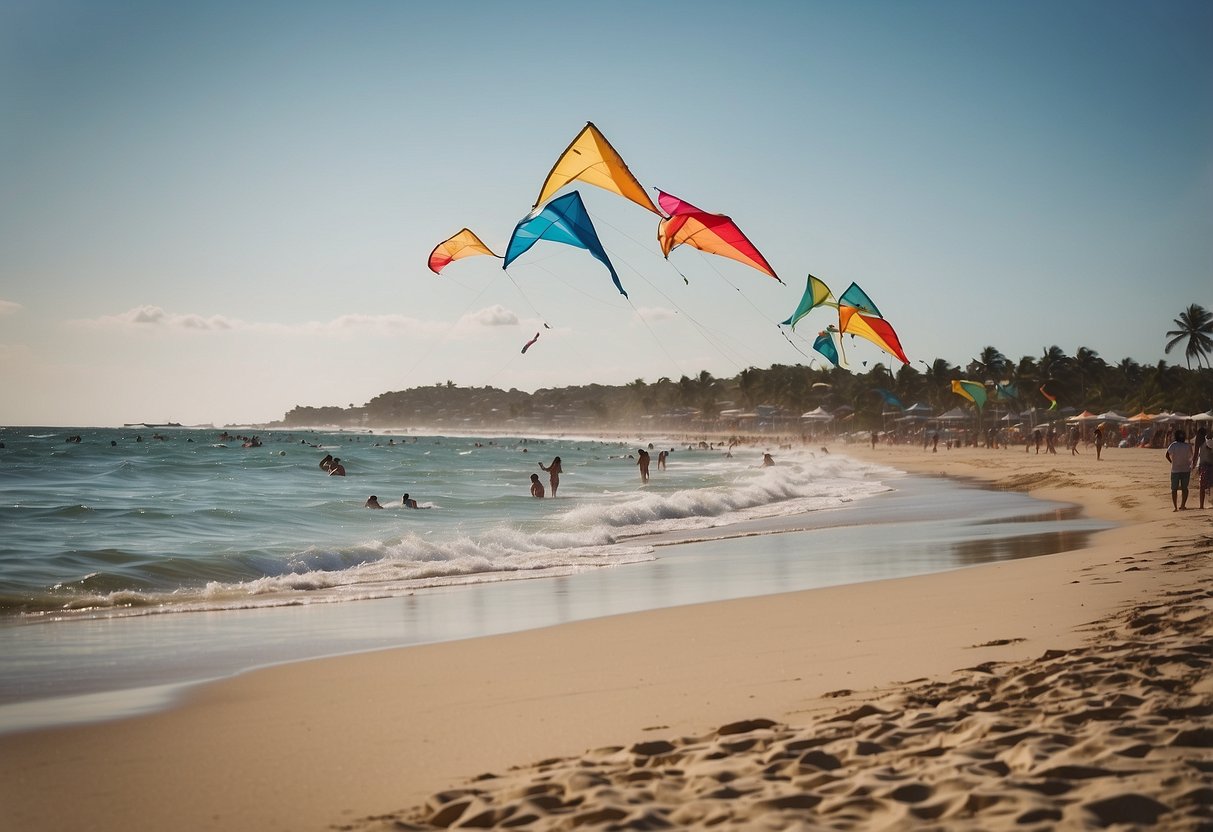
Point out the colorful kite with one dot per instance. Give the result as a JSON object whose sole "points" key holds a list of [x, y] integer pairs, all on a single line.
{"points": [[463, 244], [889, 398], [563, 220], [877, 330], [1052, 399], [530, 343], [858, 298], [816, 293], [974, 391], [710, 233], [825, 345], [1005, 392], [591, 159]]}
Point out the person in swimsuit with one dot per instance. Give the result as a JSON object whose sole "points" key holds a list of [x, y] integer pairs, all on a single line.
{"points": [[554, 471]]}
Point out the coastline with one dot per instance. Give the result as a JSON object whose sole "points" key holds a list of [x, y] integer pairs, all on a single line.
{"points": [[356, 740]]}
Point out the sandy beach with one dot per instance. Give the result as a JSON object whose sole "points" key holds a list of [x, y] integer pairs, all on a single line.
{"points": [[1065, 691]]}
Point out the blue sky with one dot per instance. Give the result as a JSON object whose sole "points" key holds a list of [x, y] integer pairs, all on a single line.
{"points": [[215, 211]]}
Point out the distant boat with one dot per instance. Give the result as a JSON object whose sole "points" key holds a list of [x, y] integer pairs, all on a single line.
{"points": [[151, 425]]}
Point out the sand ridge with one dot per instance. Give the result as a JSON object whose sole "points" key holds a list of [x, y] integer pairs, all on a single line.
{"points": [[1114, 732]]}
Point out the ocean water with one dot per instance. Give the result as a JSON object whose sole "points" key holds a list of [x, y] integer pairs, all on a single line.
{"points": [[130, 567], [112, 525]]}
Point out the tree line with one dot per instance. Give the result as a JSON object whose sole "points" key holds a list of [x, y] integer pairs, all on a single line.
{"points": [[1080, 381]]}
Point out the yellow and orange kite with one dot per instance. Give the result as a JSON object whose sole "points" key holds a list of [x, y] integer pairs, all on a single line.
{"points": [[463, 244]]}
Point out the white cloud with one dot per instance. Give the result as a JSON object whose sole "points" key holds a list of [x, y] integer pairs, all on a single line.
{"points": [[496, 315], [150, 317], [153, 316], [8, 307]]}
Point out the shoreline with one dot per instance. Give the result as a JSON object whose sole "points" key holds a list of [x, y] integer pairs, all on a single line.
{"points": [[357, 740], [116, 656]]}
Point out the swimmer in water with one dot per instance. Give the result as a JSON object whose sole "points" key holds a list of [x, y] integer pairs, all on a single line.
{"points": [[372, 502]]}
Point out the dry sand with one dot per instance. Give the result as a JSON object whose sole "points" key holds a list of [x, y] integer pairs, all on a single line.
{"points": [[1067, 691]]}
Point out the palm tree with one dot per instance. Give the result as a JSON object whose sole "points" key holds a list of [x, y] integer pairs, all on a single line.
{"points": [[1088, 365], [993, 362], [1196, 325]]}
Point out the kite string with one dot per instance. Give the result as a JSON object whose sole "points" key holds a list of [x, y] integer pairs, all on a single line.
{"points": [[433, 345], [793, 343], [703, 330], [538, 315]]}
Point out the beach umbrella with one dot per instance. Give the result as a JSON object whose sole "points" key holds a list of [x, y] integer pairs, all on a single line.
{"points": [[1207, 416], [1084, 417]]}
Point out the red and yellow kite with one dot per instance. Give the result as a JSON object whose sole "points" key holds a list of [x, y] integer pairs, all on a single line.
{"points": [[710, 233]]}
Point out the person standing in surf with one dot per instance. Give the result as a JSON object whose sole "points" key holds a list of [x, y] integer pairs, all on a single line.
{"points": [[554, 471]]}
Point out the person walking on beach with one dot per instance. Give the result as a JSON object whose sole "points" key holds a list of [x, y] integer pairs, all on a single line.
{"points": [[1036, 434], [1204, 464], [1179, 454], [1051, 441], [554, 471], [1074, 441], [1098, 443], [536, 486], [643, 461]]}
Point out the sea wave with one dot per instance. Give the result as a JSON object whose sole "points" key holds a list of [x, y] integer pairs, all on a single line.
{"points": [[216, 529]]}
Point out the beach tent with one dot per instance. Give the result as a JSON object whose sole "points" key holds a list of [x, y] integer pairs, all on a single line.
{"points": [[918, 409], [819, 414], [1112, 416], [954, 415], [1207, 416], [1141, 417]]}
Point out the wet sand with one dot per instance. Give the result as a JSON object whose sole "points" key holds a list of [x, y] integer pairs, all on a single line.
{"points": [[1068, 690]]}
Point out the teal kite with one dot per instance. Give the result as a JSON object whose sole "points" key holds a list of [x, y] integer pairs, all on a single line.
{"points": [[563, 220], [816, 293], [889, 398], [858, 299], [825, 345], [974, 391]]}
